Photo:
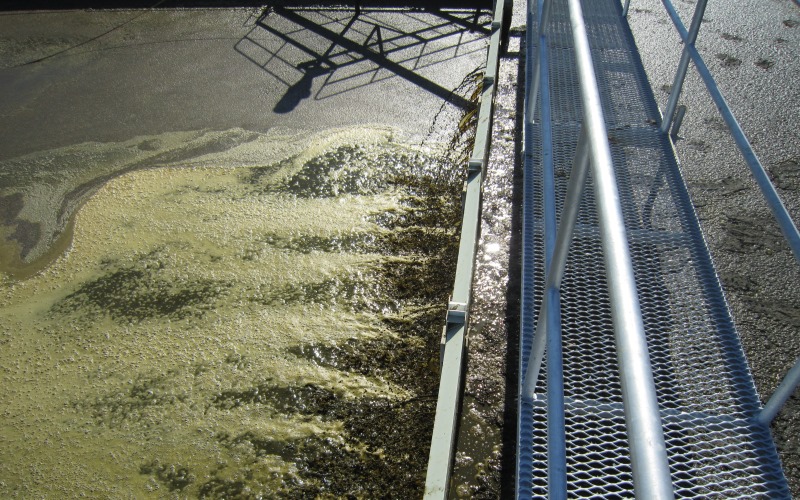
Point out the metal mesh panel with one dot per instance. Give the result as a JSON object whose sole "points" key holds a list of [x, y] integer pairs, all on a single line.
{"points": [[705, 390]]}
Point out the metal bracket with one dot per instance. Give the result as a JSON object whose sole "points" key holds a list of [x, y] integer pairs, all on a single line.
{"points": [[475, 165], [457, 313]]}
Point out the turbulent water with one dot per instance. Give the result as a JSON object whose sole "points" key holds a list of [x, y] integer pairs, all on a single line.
{"points": [[222, 314]]}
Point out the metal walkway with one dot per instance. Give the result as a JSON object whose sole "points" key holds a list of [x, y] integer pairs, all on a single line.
{"points": [[594, 422]]}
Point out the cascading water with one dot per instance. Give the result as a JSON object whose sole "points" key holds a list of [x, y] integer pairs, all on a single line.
{"points": [[236, 315]]}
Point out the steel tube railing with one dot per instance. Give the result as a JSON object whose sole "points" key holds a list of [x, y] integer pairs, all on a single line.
{"points": [[550, 314], [577, 182], [651, 476], [556, 428], [789, 384], [648, 452], [528, 225], [683, 66], [779, 211], [762, 178], [625, 7], [534, 10]]}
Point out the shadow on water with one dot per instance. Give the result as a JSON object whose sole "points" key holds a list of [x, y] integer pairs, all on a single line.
{"points": [[356, 49], [300, 90], [28, 5]]}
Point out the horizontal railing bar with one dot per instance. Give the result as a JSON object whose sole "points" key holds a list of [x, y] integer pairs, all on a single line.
{"points": [[651, 475]]}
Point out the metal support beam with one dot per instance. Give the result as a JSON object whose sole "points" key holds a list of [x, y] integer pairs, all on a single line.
{"points": [[442, 449], [440, 458], [683, 65]]}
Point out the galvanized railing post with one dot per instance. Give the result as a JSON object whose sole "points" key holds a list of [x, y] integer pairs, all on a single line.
{"points": [[782, 394], [651, 475], [777, 207], [683, 66], [577, 182]]}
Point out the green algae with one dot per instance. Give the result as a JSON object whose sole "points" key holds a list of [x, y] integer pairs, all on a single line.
{"points": [[42, 192]]}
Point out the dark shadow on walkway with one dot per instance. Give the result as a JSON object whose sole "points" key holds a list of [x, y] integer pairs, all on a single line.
{"points": [[355, 49]]}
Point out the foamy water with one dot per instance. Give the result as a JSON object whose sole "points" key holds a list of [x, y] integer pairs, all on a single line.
{"points": [[187, 341]]}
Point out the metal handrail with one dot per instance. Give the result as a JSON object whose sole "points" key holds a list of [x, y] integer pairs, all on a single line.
{"points": [[651, 475], [791, 381]]}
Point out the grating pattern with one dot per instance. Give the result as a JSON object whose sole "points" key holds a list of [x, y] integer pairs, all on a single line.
{"points": [[705, 390]]}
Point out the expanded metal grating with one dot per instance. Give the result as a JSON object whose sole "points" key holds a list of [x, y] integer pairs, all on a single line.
{"points": [[705, 391]]}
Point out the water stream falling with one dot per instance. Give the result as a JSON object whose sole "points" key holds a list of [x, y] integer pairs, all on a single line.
{"points": [[223, 314]]}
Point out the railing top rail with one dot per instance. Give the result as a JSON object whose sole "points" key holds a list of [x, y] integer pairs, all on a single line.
{"points": [[646, 439], [651, 475]]}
